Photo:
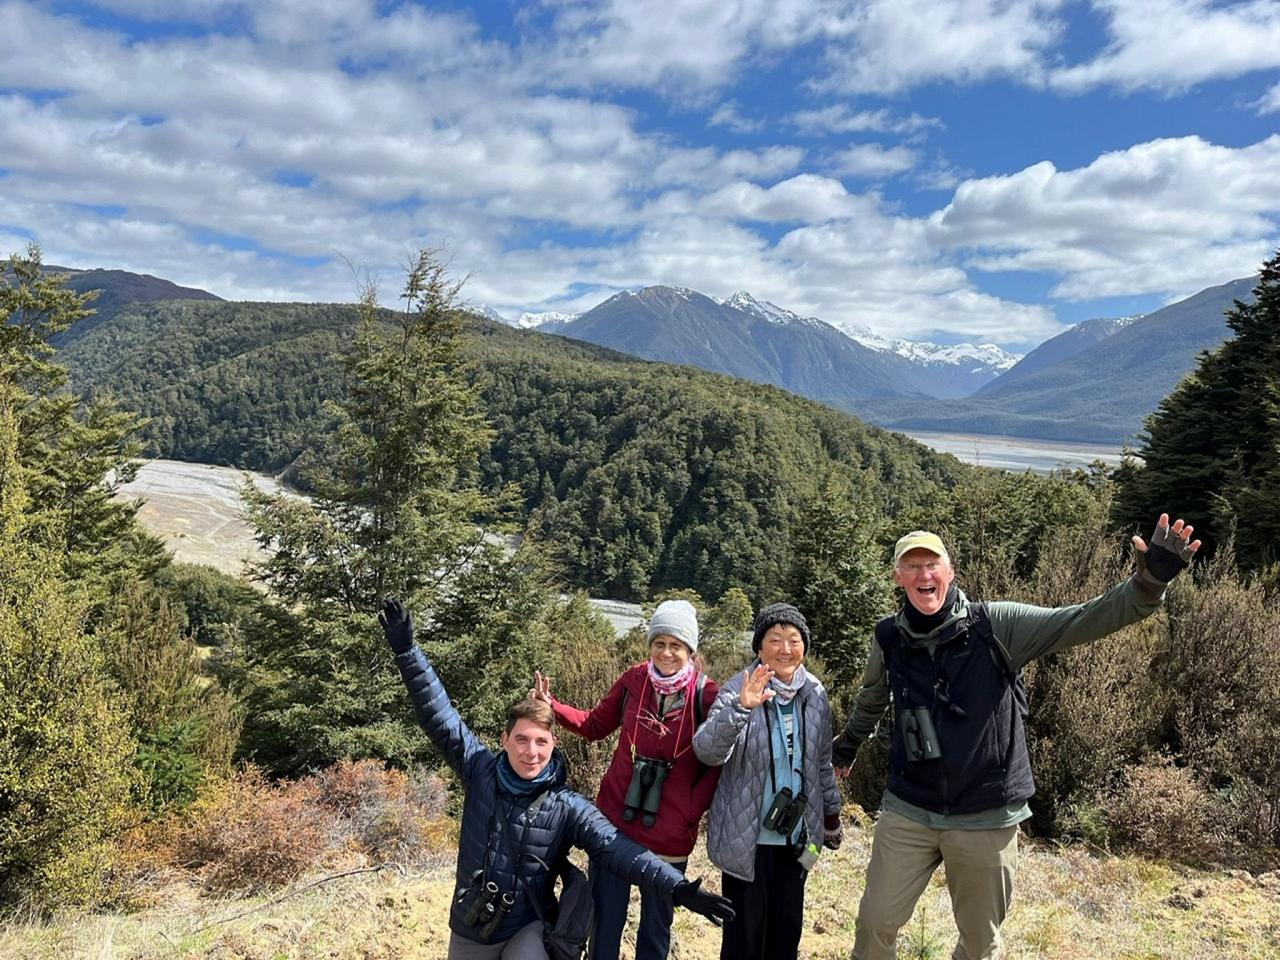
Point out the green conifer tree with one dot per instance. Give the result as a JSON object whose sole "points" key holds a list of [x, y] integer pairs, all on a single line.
{"points": [[65, 752], [1211, 451], [393, 511], [72, 456], [838, 577]]}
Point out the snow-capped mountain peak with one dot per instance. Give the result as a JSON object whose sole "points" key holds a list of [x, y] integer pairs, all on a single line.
{"points": [[489, 313], [546, 318], [981, 354], [765, 310], [982, 360]]}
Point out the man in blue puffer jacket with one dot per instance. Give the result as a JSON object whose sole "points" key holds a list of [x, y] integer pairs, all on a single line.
{"points": [[519, 820]]}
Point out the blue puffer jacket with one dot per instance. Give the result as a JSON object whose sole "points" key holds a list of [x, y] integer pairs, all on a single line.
{"points": [[542, 826]]}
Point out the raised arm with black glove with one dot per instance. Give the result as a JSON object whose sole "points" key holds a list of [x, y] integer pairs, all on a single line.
{"points": [[1167, 555], [397, 624], [691, 896]]}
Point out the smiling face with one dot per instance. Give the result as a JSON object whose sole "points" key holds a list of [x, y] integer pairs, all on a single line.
{"points": [[925, 577], [782, 650], [669, 655], [528, 745]]}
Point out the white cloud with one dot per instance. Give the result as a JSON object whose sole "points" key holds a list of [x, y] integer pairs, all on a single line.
{"points": [[806, 198], [686, 46], [893, 45], [1269, 102], [1164, 217], [885, 273], [728, 115], [839, 118], [874, 160], [1175, 44]]}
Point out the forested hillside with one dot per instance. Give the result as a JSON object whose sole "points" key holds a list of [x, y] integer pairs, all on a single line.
{"points": [[644, 475]]}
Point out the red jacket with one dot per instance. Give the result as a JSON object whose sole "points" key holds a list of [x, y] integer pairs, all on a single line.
{"points": [[690, 784]]}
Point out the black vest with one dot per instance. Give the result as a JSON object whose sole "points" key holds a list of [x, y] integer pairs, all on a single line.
{"points": [[982, 734]]}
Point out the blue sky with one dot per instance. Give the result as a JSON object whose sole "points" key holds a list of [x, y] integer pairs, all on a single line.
{"points": [[981, 170]]}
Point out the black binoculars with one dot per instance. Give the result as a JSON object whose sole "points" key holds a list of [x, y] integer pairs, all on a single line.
{"points": [[486, 906], [786, 811], [644, 793], [919, 736]]}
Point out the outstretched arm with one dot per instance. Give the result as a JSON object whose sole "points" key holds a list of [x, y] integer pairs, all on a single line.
{"points": [[1027, 631], [436, 714], [624, 857], [594, 724]]}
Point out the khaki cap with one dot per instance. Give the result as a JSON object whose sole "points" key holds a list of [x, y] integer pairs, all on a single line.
{"points": [[920, 540]]}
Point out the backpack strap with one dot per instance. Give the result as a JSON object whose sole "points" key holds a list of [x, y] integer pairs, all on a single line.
{"points": [[699, 711], [980, 623]]}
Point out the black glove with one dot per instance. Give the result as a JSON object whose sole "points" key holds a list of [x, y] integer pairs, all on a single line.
{"points": [[691, 896], [832, 831], [397, 624], [1167, 556], [844, 750]]}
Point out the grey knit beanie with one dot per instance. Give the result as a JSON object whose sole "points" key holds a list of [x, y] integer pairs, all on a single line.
{"points": [[675, 618], [774, 614]]}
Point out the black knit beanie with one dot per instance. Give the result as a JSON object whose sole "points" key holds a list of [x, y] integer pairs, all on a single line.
{"points": [[774, 614]]}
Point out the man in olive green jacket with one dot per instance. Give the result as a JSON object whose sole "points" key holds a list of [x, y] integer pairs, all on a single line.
{"points": [[959, 771]]}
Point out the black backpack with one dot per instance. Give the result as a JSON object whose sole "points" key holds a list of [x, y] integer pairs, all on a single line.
{"points": [[567, 938], [575, 921]]}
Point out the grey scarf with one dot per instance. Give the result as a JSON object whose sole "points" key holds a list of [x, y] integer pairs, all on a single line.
{"points": [[784, 693]]}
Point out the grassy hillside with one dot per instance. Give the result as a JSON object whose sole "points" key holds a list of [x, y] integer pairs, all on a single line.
{"points": [[1069, 905]]}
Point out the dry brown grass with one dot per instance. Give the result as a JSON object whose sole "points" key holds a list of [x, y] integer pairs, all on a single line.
{"points": [[1070, 905]]}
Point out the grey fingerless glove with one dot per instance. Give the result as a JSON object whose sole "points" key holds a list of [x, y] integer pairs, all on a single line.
{"points": [[1167, 556]]}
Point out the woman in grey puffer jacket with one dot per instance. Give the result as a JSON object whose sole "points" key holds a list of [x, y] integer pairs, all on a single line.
{"points": [[777, 802]]}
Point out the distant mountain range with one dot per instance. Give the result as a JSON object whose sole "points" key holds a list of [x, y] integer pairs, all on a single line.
{"points": [[759, 340], [1098, 391], [1066, 344], [1093, 383]]}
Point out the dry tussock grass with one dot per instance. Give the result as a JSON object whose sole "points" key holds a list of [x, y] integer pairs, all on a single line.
{"points": [[1070, 904]]}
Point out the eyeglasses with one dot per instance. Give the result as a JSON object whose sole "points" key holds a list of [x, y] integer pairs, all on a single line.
{"points": [[915, 569]]}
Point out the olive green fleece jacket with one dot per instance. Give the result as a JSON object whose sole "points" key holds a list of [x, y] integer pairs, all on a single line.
{"points": [[1023, 632]]}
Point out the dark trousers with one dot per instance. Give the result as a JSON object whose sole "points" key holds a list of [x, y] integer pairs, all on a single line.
{"points": [[612, 897], [769, 911]]}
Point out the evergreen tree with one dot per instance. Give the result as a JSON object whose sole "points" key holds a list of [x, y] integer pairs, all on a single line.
{"points": [[65, 750], [72, 456], [186, 725], [1211, 451], [838, 576], [394, 511]]}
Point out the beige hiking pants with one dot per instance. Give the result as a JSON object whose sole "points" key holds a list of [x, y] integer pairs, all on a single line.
{"points": [[980, 865]]}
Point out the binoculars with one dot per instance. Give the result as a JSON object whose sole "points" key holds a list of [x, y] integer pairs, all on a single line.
{"points": [[644, 792], [919, 736], [786, 811], [486, 906]]}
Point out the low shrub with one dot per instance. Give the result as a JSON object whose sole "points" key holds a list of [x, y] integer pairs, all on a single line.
{"points": [[252, 835], [249, 834], [1162, 810], [383, 814]]}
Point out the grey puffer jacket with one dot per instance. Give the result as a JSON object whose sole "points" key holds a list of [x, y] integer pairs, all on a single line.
{"points": [[737, 739]]}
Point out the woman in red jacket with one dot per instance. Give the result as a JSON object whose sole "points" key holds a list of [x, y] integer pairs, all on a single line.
{"points": [[655, 790]]}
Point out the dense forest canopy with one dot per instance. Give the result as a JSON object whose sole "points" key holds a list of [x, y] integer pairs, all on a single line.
{"points": [[645, 476]]}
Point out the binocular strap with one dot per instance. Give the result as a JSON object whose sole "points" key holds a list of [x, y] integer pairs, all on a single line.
{"points": [[795, 757]]}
